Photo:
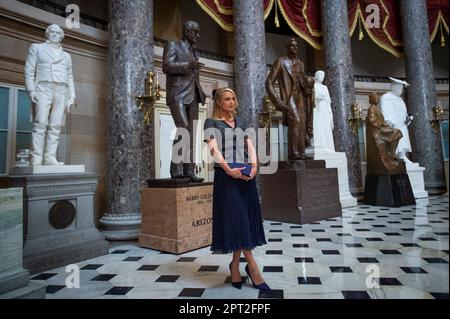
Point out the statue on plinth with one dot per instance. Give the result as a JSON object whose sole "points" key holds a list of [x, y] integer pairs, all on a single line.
{"points": [[381, 142], [387, 182], [323, 116], [49, 83], [296, 100], [396, 115], [184, 93]]}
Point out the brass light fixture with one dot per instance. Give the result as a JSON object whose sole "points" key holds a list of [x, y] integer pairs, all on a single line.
{"points": [[146, 103], [265, 117], [356, 117], [438, 117]]}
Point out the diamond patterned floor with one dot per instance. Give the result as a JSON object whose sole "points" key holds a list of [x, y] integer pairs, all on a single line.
{"points": [[407, 248]]}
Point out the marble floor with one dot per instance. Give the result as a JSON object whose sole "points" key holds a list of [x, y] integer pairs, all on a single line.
{"points": [[371, 252]]}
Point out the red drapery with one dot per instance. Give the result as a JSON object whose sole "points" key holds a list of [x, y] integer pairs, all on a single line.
{"points": [[386, 31], [304, 18], [438, 19], [222, 11]]}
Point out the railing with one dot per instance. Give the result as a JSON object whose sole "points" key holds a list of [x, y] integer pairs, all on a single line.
{"points": [[385, 79]]}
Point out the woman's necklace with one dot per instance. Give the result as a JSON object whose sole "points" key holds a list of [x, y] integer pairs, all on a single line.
{"points": [[229, 122], [227, 119]]}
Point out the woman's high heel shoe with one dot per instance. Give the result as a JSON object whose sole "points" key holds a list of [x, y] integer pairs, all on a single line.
{"points": [[237, 284], [262, 286]]}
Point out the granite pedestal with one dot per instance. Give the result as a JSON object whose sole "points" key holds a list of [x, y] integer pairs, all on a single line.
{"points": [[301, 192], [176, 215], [14, 279], [59, 220], [388, 190]]}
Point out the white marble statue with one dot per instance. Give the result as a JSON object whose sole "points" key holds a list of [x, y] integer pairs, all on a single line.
{"points": [[323, 143], [49, 83], [323, 116], [396, 115]]}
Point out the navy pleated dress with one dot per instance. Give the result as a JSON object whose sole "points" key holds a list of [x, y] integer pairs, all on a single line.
{"points": [[237, 220]]}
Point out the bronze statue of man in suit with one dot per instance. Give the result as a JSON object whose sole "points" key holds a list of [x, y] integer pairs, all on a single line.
{"points": [[182, 68], [296, 99]]}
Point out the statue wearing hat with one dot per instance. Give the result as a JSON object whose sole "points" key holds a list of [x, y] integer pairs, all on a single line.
{"points": [[396, 115]]}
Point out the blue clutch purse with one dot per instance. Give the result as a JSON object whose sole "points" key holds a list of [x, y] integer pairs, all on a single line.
{"points": [[247, 168]]}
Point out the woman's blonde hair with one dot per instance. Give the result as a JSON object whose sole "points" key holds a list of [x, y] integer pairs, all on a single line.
{"points": [[217, 96]]}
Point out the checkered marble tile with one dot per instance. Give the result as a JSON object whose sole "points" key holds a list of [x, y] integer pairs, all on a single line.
{"points": [[371, 252]]}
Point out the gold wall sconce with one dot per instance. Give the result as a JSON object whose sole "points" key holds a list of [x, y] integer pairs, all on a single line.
{"points": [[438, 117], [146, 103], [268, 111], [355, 119]]}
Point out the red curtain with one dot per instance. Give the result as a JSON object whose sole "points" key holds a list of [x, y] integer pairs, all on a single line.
{"points": [[438, 19], [222, 11], [385, 31], [304, 18]]}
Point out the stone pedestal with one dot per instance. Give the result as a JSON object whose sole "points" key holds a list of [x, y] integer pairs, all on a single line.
{"points": [[14, 280], [176, 216], [415, 173], [301, 192], [338, 160], [48, 169], [388, 190], [59, 220]]}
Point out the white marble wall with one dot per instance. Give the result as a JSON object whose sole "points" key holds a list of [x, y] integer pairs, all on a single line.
{"points": [[12, 275]]}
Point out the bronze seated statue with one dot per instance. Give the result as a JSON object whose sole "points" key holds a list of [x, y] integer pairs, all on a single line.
{"points": [[381, 143]]}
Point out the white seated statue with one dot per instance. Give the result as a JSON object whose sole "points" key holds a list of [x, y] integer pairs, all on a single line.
{"points": [[323, 143], [396, 115], [323, 116]]}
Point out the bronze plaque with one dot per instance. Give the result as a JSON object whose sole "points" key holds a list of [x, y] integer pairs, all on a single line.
{"points": [[62, 214]]}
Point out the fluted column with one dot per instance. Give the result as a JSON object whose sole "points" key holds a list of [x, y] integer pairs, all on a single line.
{"points": [[130, 144], [427, 146], [249, 58], [340, 82]]}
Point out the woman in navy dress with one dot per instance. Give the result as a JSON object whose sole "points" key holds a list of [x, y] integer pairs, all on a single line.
{"points": [[237, 220]]}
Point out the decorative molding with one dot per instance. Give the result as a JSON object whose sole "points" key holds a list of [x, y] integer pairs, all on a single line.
{"points": [[121, 217], [55, 190]]}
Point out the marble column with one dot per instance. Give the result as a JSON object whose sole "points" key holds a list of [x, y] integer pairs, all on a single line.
{"points": [[249, 58], [427, 146], [130, 142], [340, 82]]}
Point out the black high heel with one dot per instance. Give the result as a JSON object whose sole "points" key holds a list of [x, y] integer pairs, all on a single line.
{"points": [[237, 284], [262, 286]]}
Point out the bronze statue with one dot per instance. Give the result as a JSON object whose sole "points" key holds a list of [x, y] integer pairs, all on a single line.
{"points": [[182, 68], [296, 99], [381, 143]]}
